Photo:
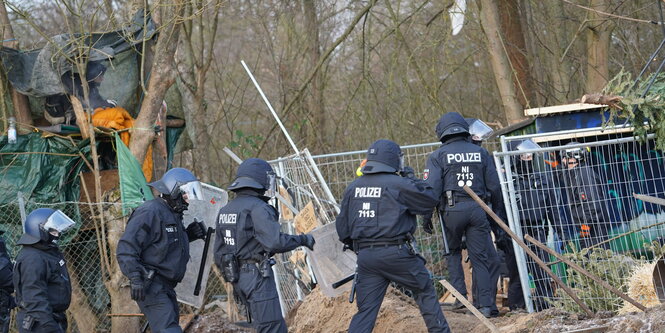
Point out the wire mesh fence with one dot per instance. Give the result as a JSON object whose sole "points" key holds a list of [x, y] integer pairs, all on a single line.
{"points": [[90, 310], [575, 194], [323, 178]]}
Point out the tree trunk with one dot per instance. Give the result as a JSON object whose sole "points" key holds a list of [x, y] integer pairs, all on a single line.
{"points": [[85, 318], [559, 70], [500, 62], [599, 31], [20, 101], [161, 78], [315, 101], [511, 26], [117, 285]]}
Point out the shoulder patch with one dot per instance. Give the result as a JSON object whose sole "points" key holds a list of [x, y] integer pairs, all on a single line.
{"points": [[425, 174]]}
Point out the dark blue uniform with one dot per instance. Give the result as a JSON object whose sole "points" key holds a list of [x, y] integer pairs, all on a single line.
{"points": [[43, 289], [6, 287], [377, 217], [457, 163], [248, 229], [538, 202], [587, 202], [155, 239]]}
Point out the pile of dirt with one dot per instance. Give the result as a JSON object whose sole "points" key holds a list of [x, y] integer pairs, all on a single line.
{"points": [[399, 313], [554, 320]]}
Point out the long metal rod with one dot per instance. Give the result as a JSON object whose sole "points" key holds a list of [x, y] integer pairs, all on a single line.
{"points": [[347, 153], [572, 131], [578, 145], [322, 181], [586, 273], [510, 201], [265, 99], [526, 249]]}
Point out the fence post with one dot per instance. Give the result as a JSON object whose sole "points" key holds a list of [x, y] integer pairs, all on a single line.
{"points": [[21, 207], [512, 213]]}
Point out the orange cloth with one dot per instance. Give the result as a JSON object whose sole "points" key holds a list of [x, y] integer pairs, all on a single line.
{"points": [[118, 118]]}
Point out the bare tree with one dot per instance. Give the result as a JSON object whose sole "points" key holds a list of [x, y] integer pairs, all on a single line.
{"points": [[19, 101], [598, 33], [503, 73]]}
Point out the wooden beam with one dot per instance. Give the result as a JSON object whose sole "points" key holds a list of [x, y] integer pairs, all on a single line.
{"points": [[562, 109], [586, 273], [528, 251], [469, 306]]}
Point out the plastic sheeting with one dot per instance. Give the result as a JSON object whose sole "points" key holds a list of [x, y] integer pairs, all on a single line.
{"points": [[38, 72], [134, 189], [44, 169]]}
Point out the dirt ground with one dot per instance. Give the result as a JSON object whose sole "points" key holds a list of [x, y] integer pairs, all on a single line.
{"points": [[399, 313]]}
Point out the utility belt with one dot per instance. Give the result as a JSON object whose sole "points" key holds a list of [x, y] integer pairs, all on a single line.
{"points": [[406, 240], [231, 266], [452, 198]]}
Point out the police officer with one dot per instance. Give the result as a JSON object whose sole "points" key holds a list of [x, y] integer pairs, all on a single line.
{"points": [[377, 219], [247, 236], [41, 280], [538, 202], [479, 132], [458, 163], [6, 286], [586, 196], [154, 249]]}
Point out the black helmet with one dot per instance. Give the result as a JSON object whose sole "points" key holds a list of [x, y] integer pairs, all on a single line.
{"points": [[451, 123], [178, 182], [578, 153], [383, 156], [93, 70], [44, 225], [254, 173]]}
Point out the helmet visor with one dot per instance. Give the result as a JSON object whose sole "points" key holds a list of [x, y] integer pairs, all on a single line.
{"points": [[479, 130], [58, 221], [272, 185], [192, 190], [527, 145]]}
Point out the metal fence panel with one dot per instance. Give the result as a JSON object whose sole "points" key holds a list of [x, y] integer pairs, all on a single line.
{"points": [[583, 207]]}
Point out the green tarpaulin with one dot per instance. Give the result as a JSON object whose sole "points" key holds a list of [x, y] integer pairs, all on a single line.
{"points": [[133, 187]]}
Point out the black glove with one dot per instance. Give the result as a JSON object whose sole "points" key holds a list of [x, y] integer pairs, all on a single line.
{"points": [[196, 230], [408, 172], [428, 227], [307, 241], [138, 292]]}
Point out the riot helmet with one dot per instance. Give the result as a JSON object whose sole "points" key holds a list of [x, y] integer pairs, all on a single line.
{"points": [[257, 174], [524, 162], [572, 156], [178, 186], [383, 156], [478, 130], [44, 225], [451, 124]]}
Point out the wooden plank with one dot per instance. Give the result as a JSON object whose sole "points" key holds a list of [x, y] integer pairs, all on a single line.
{"points": [[562, 109], [647, 198], [527, 250], [586, 273], [469, 306], [597, 329]]}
